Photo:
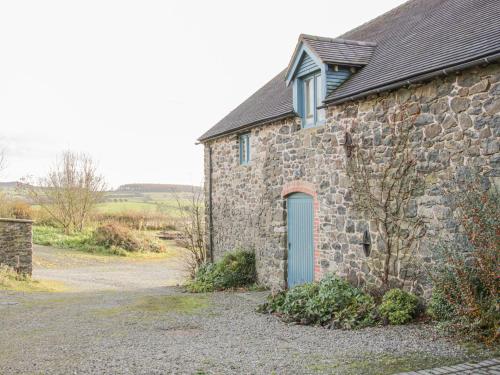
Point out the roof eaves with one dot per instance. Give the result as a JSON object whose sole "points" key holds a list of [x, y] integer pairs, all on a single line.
{"points": [[248, 126], [445, 70]]}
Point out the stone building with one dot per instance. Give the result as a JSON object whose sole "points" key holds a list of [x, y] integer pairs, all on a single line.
{"points": [[275, 167]]}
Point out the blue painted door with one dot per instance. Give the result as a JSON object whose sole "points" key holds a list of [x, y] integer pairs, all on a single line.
{"points": [[300, 239]]}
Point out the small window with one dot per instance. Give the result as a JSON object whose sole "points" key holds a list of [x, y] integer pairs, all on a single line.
{"points": [[312, 93], [244, 148]]}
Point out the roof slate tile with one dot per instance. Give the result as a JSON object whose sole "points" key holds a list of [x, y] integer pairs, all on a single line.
{"points": [[416, 38]]}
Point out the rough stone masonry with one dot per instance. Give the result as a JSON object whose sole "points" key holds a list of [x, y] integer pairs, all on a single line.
{"points": [[457, 126], [16, 245]]}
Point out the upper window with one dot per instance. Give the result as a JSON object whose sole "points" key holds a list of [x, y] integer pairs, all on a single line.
{"points": [[244, 148], [312, 99]]}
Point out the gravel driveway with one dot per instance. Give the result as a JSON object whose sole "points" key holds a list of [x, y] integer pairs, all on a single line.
{"points": [[125, 317]]}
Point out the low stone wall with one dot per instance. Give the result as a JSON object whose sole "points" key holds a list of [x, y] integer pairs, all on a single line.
{"points": [[16, 244]]}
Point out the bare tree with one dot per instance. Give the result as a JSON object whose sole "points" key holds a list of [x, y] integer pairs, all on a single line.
{"points": [[70, 190], [192, 227], [385, 190]]}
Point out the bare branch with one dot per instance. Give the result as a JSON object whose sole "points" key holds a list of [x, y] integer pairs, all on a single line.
{"points": [[70, 190], [384, 190]]}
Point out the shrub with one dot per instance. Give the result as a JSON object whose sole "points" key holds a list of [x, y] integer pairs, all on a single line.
{"points": [[113, 234], [14, 208], [398, 307], [332, 302], [439, 308], [149, 243], [466, 276], [21, 210], [234, 270]]}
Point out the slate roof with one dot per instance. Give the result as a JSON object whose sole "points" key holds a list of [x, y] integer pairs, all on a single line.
{"points": [[338, 51], [270, 102], [418, 37], [422, 36]]}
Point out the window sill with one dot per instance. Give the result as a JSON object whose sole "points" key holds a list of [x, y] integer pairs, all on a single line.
{"points": [[316, 126]]}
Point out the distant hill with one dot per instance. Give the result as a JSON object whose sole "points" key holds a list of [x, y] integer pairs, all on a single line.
{"points": [[157, 188], [8, 185]]}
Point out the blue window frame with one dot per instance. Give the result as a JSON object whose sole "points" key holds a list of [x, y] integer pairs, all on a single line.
{"points": [[312, 98], [245, 148]]}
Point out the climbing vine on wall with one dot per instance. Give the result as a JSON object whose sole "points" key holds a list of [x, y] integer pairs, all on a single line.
{"points": [[384, 182]]}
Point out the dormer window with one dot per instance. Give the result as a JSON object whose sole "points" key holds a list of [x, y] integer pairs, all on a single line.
{"points": [[312, 97], [317, 68]]}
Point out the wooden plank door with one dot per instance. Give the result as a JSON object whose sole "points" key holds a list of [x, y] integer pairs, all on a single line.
{"points": [[300, 239]]}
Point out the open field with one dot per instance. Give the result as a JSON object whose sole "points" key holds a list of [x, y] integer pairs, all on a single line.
{"points": [[166, 203], [126, 201]]}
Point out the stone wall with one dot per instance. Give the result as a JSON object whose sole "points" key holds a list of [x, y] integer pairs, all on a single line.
{"points": [[16, 244], [457, 126]]}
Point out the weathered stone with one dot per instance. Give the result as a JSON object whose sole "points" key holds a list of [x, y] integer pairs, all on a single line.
{"points": [[464, 121], [459, 104], [432, 131], [449, 122], [16, 246], [492, 106], [467, 80], [463, 91], [250, 212], [439, 107], [424, 119], [489, 147]]}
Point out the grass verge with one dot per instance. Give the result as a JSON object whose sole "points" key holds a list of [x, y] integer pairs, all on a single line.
{"points": [[381, 364], [84, 241], [11, 281]]}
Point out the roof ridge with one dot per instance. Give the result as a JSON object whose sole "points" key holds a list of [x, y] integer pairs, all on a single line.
{"points": [[337, 40]]}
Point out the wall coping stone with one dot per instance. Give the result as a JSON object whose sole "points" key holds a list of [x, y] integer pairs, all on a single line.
{"points": [[4, 219]]}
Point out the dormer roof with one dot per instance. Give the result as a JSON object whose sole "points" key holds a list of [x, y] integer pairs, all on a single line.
{"points": [[331, 51]]}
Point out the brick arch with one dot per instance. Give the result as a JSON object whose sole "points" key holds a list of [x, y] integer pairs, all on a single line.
{"points": [[299, 186]]}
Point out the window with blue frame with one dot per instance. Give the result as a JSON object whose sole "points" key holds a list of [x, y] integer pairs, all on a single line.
{"points": [[312, 99], [245, 148]]}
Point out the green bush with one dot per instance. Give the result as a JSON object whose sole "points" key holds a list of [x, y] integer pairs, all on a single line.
{"points": [[332, 302], [398, 307], [234, 270], [439, 308]]}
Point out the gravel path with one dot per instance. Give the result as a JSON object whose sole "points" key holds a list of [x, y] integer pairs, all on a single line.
{"points": [[122, 318]]}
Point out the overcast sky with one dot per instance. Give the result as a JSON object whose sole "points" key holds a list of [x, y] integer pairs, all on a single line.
{"points": [[135, 83]]}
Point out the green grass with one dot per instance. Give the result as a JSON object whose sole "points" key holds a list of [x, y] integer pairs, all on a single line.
{"points": [[55, 237], [83, 241], [166, 203], [381, 364], [11, 281]]}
